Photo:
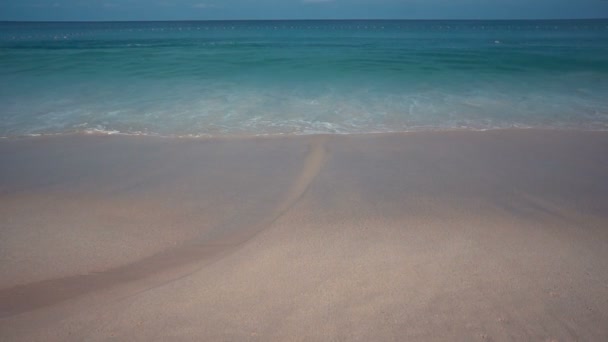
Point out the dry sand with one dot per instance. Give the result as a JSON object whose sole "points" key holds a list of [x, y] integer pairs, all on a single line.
{"points": [[447, 236]]}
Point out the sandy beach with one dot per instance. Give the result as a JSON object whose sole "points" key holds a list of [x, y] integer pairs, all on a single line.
{"points": [[432, 236]]}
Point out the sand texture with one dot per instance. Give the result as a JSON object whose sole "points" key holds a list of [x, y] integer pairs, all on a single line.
{"points": [[435, 236]]}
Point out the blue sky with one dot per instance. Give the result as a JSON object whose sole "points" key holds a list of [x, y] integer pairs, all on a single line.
{"points": [[298, 9]]}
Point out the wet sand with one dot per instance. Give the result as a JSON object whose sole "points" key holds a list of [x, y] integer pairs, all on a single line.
{"points": [[498, 235]]}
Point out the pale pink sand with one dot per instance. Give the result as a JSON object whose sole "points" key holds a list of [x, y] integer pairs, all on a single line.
{"points": [[467, 236]]}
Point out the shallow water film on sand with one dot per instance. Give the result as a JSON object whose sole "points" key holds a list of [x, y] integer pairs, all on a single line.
{"points": [[298, 77]]}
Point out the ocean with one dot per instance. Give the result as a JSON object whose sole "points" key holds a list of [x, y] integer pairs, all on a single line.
{"points": [[210, 78]]}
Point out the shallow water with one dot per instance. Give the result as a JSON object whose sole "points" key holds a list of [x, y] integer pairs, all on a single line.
{"points": [[298, 77]]}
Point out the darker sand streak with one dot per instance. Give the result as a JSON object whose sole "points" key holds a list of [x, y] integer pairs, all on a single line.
{"points": [[156, 270]]}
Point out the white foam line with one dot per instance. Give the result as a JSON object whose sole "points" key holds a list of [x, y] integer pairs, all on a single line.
{"points": [[303, 133]]}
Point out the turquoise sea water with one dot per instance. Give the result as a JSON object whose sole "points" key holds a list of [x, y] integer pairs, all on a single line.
{"points": [[298, 77]]}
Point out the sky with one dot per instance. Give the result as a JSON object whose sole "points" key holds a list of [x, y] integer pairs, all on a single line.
{"points": [[86, 10]]}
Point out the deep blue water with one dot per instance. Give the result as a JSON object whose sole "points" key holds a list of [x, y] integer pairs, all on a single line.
{"points": [[270, 77]]}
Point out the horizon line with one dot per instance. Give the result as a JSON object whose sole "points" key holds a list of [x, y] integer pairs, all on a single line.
{"points": [[351, 19]]}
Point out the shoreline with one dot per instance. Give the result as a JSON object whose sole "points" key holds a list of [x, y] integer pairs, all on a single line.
{"points": [[220, 137], [493, 234]]}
